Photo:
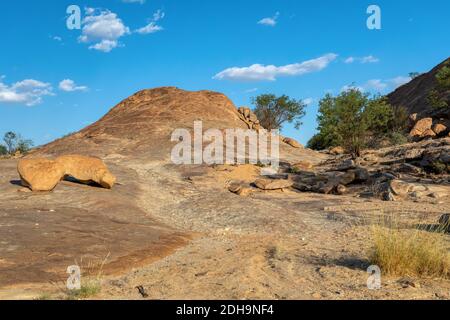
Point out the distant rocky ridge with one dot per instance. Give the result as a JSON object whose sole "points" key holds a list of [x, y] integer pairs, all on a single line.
{"points": [[414, 95]]}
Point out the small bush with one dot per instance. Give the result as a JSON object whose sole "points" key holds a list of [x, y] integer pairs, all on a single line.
{"points": [[410, 252], [443, 77], [398, 138], [439, 167], [88, 289]]}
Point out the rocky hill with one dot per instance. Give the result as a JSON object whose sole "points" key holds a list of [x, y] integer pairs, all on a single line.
{"points": [[414, 96], [141, 125]]}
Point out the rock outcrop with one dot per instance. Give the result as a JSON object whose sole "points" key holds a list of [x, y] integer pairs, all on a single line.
{"points": [[250, 119], [44, 174], [292, 142]]}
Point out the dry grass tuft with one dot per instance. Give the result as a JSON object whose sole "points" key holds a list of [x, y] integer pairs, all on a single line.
{"points": [[402, 251]]}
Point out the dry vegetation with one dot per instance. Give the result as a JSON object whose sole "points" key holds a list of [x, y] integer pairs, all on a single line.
{"points": [[410, 251]]}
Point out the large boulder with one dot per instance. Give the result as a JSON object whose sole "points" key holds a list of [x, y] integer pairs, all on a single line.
{"points": [[40, 174], [87, 169], [44, 174], [421, 126]]}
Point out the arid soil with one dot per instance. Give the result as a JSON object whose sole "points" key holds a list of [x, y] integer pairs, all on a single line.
{"points": [[178, 231]]}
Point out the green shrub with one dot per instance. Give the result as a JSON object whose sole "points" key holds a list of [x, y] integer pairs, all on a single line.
{"points": [[353, 120], [398, 138], [3, 150], [273, 111]]}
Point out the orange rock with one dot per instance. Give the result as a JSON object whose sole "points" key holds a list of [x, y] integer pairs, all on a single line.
{"points": [[86, 169], [44, 174], [302, 166], [421, 126], [439, 128], [40, 174], [337, 150], [428, 134], [293, 143]]}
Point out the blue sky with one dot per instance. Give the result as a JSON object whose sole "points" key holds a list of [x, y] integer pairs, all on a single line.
{"points": [[55, 80]]}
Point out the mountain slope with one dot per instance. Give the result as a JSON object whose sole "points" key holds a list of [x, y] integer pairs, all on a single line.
{"points": [[414, 95]]}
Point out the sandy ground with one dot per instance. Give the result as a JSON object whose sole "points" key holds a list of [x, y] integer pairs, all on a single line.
{"points": [[180, 234]]}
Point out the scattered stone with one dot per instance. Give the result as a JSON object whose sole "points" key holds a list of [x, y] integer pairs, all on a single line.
{"points": [[337, 151], [400, 188], [416, 194], [371, 158], [407, 282], [437, 195], [407, 168], [341, 189], [234, 187], [346, 165], [388, 196], [302, 166], [273, 184], [244, 192], [361, 174]]}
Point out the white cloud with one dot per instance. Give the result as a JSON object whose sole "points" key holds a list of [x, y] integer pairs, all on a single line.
{"points": [[399, 81], [258, 72], [152, 26], [251, 90], [69, 85], [376, 84], [364, 60], [270, 21], [28, 92], [134, 1], [103, 28], [379, 85], [57, 38], [105, 45], [369, 59], [308, 101], [352, 87], [350, 60]]}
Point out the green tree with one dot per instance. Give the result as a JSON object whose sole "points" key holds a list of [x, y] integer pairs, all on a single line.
{"points": [[443, 77], [414, 75], [14, 142], [3, 150], [10, 139], [24, 145], [351, 120], [273, 111]]}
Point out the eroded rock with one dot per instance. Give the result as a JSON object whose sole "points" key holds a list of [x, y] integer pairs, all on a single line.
{"points": [[40, 174], [44, 174], [273, 184], [293, 143]]}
